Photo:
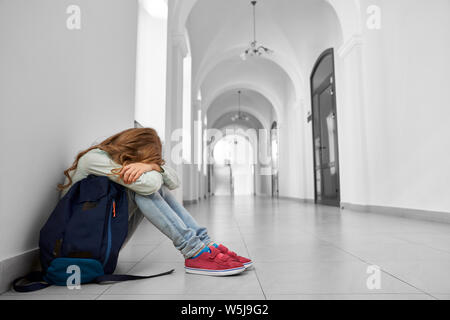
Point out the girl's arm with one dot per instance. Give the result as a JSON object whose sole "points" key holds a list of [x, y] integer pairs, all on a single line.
{"points": [[170, 177], [98, 162]]}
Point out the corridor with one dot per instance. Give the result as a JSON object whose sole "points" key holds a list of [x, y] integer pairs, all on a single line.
{"points": [[309, 135], [300, 251]]}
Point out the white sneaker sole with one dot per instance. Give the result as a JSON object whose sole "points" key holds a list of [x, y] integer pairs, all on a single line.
{"points": [[216, 273], [248, 265]]}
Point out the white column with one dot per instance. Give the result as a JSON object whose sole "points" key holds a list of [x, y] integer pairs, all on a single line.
{"points": [[352, 123], [176, 52], [191, 183]]}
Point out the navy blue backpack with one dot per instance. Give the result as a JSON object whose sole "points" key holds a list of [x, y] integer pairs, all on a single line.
{"points": [[85, 232]]}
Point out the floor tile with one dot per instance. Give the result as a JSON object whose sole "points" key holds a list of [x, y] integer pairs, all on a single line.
{"points": [[182, 283], [85, 290], [432, 240], [231, 297], [49, 297], [323, 278], [310, 252], [352, 297], [375, 248], [430, 276], [135, 252]]}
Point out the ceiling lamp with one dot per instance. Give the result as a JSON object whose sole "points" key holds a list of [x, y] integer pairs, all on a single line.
{"points": [[254, 50], [239, 115]]}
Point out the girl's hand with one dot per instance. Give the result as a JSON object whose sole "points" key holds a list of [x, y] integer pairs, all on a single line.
{"points": [[131, 172]]}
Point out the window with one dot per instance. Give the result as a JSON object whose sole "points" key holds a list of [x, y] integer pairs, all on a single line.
{"points": [[150, 109], [187, 109]]}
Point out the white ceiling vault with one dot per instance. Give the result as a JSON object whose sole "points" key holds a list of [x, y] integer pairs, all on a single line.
{"points": [[224, 106], [298, 31]]}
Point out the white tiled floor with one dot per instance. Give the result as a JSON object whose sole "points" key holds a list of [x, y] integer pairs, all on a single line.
{"points": [[300, 251]]}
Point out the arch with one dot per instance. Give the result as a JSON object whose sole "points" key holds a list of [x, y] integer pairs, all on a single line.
{"points": [[289, 67], [227, 152], [349, 17], [348, 14], [249, 110], [262, 115], [272, 98], [274, 125], [259, 124], [347, 11], [180, 14], [238, 132], [323, 55]]}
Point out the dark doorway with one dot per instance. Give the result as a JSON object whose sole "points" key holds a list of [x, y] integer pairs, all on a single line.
{"points": [[325, 134]]}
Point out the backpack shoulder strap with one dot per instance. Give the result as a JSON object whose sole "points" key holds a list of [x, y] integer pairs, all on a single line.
{"points": [[125, 277], [35, 282]]}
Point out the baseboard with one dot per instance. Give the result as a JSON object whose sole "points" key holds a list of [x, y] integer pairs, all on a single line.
{"points": [[17, 266], [433, 216], [424, 215], [310, 201], [189, 202]]}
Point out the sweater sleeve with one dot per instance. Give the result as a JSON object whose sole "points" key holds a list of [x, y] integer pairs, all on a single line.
{"points": [[170, 178], [100, 164]]}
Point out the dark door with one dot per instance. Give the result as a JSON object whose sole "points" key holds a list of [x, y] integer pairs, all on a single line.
{"points": [[325, 135]]}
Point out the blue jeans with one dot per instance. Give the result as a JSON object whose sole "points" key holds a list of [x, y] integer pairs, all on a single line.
{"points": [[172, 219]]}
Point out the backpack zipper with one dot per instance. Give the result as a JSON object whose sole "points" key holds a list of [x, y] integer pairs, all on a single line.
{"points": [[108, 248]]}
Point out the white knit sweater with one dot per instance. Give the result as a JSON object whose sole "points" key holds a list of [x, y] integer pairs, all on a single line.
{"points": [[99, 163]]}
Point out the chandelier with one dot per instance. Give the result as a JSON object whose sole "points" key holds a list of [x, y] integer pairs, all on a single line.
{"points": [[239, 115], [255, 50]]}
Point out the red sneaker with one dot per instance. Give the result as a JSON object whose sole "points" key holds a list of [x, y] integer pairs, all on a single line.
{"points": [[213, 263], [245, 261]]}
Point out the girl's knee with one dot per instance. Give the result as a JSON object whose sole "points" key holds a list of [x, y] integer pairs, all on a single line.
{"points": [[163, 191], [139, 198]]}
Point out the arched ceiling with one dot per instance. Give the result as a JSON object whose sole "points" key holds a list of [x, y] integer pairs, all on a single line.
{"points": [[255, 74], [297, 30], [252, 103], [225, 121]]}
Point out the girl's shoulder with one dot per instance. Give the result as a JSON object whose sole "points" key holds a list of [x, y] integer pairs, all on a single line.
{"points": [[94, 155], [97, 151]]}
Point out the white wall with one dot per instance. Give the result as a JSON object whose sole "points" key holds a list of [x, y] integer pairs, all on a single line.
{"points": [[407, 71], [295, 154], [60, 91], [151, 65], [392, 111]]}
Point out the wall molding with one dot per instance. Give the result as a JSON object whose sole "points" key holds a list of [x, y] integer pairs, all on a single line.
{"points": [[17, 266], [301, 200], [190, 202], [349, 45], [179, 42], [424, 215]]}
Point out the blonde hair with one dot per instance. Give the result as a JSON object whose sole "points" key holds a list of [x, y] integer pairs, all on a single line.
{"points": [[129, 146]]}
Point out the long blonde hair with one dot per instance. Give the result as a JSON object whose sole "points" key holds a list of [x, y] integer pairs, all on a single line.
{"points": [[129, 146]]}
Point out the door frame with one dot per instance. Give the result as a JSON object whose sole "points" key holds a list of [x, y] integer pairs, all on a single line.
{"points": [[319, 90]]}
